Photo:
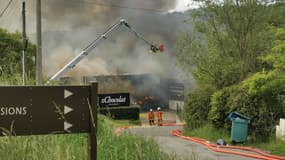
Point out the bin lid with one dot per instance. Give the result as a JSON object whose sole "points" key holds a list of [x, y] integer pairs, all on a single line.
{"points": [[240, 120], [235, 115]]}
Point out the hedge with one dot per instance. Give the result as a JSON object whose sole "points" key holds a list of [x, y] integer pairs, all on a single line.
{"points": [[196, 108], [128, 113], [257, 97]]}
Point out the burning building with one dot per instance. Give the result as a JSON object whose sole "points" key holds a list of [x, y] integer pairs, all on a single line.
{"points": [[146, 90]]}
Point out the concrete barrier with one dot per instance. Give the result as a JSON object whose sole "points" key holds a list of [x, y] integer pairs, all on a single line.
{"points": [[278, 133], [282, 124]]}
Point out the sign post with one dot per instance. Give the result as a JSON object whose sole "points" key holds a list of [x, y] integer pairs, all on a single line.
{"points": [[38, 110], [92, 138]]}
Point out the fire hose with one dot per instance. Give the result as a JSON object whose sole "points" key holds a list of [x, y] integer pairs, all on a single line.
{"points": [[216, 148]]}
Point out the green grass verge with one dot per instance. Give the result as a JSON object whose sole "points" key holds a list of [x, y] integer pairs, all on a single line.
{"points": [[208, 132], [273, 146], [74, 146], [123, 123], [126, 146], [47, 147]]}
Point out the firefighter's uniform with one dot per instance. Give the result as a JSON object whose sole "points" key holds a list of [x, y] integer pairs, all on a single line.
{"points": [[159, 117], [151, 117]]}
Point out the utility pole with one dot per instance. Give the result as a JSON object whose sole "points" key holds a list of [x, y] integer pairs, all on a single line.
{"points": [[39, 44], [25, 42]]}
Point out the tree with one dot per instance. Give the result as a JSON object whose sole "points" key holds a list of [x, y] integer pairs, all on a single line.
{"points": [[275, 58], [11, 55], [238, 47], [258, 96], [229, 37]]}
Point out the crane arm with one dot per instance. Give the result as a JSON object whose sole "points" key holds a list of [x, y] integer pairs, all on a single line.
{"points": [[95, 43]]}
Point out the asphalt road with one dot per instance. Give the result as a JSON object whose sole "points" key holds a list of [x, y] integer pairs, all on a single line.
{"points": [[182, 149]]}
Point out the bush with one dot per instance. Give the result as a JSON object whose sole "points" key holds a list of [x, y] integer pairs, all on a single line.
{"points": [[197, 106], [264, 89], [10, 55], [131, 113], [219, 107], [257, 97], [257, 109]]}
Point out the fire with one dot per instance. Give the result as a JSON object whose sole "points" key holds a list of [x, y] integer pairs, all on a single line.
{"points": [[142, 100]]}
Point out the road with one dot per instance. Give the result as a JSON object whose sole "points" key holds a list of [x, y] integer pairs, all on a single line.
{"points": [[183, 149]]}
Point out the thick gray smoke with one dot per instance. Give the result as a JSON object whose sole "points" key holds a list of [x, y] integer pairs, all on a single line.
{"points": [[70, 25]]}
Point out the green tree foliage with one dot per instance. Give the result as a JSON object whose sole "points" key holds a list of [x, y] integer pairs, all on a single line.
{"points": [[197, 107], [276, 56], [258, 96], [277, 13], [264, 111], [11, 55], [228, 38], [265, 88], [239, 50], [219, 107], [208, 66]]}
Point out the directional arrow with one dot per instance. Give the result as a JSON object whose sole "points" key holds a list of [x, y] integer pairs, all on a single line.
{"points": [[67, 93], [67, 126], [67, 109]]}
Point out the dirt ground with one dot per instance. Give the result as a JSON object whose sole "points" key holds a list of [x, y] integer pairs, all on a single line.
{"points": [[184, 150]]}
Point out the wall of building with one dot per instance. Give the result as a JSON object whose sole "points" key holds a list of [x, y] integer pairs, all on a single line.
{"points": [[176, 105]]}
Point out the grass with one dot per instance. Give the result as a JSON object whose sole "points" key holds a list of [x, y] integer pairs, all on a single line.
{"points": [[123, 123], [208, 132], [74, 146], [127, 146], [274, 146], [47, 147], [15, 79]]}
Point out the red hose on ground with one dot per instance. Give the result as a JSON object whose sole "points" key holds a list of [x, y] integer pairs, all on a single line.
{"points": [[119, 130], [215, 148]]}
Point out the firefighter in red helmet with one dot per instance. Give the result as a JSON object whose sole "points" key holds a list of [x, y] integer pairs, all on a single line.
{"points": [[151, 117]]}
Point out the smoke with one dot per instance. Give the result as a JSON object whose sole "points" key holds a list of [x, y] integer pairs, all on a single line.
{"points": [[87, 67], [185, 5], [69, 26]]}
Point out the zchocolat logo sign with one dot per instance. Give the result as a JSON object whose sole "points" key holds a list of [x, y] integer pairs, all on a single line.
{"points": [[114, 100]]}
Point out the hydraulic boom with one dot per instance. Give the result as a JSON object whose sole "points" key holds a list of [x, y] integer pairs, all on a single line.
{"points": [[122, 22]]}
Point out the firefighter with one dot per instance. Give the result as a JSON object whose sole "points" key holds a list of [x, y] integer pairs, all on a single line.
{"points": [[159, 116], [151, 117]]}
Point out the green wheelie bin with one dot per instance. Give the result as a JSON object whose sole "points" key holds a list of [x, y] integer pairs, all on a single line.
{"points": [[239, 127]]}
